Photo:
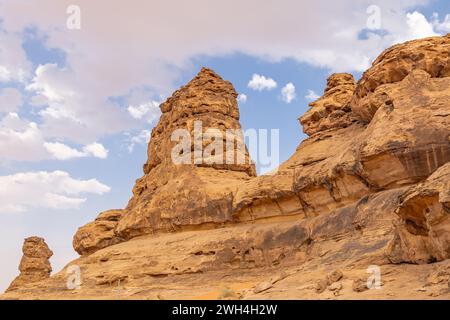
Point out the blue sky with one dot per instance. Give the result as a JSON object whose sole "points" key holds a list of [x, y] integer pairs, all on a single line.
{"points": [[65, 95]]}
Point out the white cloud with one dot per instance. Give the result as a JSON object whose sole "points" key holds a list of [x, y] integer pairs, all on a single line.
{"points": [[142, 138], [54, 190], [288, 92], [418, 26], [259, 82], [97, 150], [311, 96], [61, 151], [74, 109], [149, 110], [442, 27], [14, 65], [4, 73], [10, 100], [242, 97], [42, 84], [20, 140], [333, 43]]}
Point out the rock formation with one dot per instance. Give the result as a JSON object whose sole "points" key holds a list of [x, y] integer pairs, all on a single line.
{"points": [[99, 233], [422, 234], [332, 110], [35, 265], [368, 187], [172, 196], [394, 64]]}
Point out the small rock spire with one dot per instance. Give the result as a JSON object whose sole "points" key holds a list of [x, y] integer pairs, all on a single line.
{"points": [[35, 264]]}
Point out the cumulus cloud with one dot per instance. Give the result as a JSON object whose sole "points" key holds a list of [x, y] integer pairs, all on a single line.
{"points": [[311, 95], [96, 149], [20, 139], [10, 100], [259, 83], [417, 27], [74, 109], [242, 97], [61, 151], [442, 27], [21, 192], [149, 110], [333, 43], [23, 140], [142, 138], [14, 65], [288, 92]]}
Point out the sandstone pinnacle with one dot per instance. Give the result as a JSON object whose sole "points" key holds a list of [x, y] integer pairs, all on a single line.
{"points": [[35, 265]]}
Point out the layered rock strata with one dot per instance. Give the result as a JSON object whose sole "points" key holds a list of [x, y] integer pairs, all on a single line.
{"points": [[199, 190], [369, 187], [34, 265], [405, 140]]}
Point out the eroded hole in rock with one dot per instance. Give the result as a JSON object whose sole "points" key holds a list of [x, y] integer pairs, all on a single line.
{"points": [[415, 228], [204, 253]]}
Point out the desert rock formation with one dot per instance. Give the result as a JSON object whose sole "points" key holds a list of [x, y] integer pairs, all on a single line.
{"points": [[171, 196], [332, 110], [35, 265], [369, 187]]}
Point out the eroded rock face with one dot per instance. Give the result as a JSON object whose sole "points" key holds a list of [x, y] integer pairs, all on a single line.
{"points": [[35, 265], [332, 110], [369, 186], [431, 55], [98, 234], [409, 133], [422, 232], [172, 196], [405, 141], [386, 132], [208, 99]]}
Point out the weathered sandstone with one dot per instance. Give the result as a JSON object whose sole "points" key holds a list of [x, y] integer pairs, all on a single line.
{"points": [[431, 55], [35, 265], [172, 196], [332, 110], [370, 186], [98, 234], [422, 233]]}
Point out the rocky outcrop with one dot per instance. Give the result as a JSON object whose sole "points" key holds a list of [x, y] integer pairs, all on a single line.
{"points": [[422, 232], [98, 234], [35, 265], [431, 55], [275, 259], [405, 141], [409, 134], [332, 110], [369, 187], [203, 115]]}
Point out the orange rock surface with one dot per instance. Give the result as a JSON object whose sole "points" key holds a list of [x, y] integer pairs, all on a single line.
{"points": [[369, 188]]}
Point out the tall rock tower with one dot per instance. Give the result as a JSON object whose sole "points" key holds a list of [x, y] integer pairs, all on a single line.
{"points": [[196, 159]]}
